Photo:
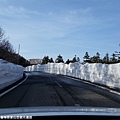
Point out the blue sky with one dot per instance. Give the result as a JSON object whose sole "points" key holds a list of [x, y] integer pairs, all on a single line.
{"points": [[66, 27]]}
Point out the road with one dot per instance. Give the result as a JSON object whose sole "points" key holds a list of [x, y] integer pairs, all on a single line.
{"points": [[42, 89]]}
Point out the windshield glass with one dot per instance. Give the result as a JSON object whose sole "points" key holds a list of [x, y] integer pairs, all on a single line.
{"points": [[60, 53]]}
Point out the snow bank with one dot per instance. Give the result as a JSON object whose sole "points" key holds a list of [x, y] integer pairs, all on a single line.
{"points": [[106, 74], [9, 73]]}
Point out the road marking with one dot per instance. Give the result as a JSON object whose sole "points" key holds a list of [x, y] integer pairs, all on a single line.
{"points": [[13, 87], [58, 84]]}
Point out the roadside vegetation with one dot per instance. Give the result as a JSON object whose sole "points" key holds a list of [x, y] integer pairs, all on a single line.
{"points": [[8, 53]]}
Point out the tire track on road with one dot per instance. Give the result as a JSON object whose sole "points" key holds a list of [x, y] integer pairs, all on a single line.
{"points": [[23, 96], [65, 97]]}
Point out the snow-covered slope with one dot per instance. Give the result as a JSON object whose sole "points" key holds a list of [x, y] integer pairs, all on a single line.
{"points": [[96, 72], [9, 73]]}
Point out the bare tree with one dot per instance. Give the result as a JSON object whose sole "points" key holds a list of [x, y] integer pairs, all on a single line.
{"points": [[7, 52], [4, 42], [1, 34]]}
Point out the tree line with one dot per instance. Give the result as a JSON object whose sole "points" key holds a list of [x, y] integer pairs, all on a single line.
{"points": [[115, 58], [8, 53], [59, 59]]}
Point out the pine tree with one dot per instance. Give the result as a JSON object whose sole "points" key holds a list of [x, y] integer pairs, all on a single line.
{"points": [[106, 58], [97, 57], [51, 60], [68, 61], [117, 54], [59, 59], [78, 59], [74, 59], [93, 59], [45, 60], [113, 59], [86, 57]]}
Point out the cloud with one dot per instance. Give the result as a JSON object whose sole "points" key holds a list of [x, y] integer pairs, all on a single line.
{"points": [[50, 26], [12, 10], [45, 26], [75, 17]]}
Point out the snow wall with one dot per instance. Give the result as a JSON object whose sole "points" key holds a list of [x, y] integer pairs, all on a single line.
{"points": [[9, 73], [106, 74]]}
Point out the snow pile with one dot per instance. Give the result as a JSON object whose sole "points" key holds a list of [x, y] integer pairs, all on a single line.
{"points": [[106, 74], [9, 73]]}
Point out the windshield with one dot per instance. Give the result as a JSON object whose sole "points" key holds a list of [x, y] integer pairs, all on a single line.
{"points": [[60, 53]]}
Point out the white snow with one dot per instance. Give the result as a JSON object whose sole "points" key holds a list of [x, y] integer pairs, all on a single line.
{"points": [[106, 74], [9, 73]]}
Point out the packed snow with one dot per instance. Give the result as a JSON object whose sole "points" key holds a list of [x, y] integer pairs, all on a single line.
{"points": [[106, 74], [9, 73]]}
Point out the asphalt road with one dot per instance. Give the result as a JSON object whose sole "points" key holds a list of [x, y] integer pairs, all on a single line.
{"points": [[42, 89]]}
